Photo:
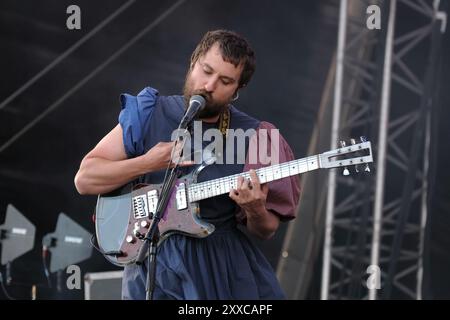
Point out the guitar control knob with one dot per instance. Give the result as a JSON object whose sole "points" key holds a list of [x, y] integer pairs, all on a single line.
{"points": [[144, 224], [138, 235], [129, 239]]}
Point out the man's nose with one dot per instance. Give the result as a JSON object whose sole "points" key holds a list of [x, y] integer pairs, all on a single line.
{"points": [[210, 86]]}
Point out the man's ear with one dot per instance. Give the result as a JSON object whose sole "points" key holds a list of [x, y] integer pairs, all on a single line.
{"points": [[235, 95]]}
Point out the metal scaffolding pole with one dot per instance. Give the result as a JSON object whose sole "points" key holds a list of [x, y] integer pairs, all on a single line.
{"points": [[333, 145], [382, 144]]}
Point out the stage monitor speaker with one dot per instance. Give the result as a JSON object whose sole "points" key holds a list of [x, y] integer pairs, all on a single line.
{"points": [[103, 285]]}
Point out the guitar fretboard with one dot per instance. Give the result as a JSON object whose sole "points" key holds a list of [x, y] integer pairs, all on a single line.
{"points": [[212, 188]]}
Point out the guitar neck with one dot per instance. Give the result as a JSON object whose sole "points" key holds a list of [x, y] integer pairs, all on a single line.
{"points": [[212, 188]]}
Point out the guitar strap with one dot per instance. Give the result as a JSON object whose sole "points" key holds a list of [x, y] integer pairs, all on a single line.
{"points": [[224, 121]]}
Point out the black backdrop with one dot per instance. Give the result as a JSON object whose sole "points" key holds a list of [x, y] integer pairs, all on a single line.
{"points": [[294, 42]]}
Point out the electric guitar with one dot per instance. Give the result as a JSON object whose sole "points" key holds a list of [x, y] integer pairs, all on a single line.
{"points": [[124, 215]]}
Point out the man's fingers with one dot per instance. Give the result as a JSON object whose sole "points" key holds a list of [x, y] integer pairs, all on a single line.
{"points": [[240, 180], [233, 194], [249, 184], [265, 188], [187, 163], [244, 185], [182, 164], [178, 148], [254, 178]]}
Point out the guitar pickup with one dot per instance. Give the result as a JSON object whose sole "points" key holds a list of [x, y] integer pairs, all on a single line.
{"points": [[181, 197], [152, 197]]}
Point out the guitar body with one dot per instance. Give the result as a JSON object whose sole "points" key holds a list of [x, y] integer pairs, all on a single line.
{"points": [[123, 217]]}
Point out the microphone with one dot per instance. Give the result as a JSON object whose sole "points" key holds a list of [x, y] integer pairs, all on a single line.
{"points": [[196, 103]]}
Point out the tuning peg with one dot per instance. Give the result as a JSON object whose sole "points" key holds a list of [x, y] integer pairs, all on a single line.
{"points": [[367, 168], [346, 172], [363, 139], [342, 143], [352, 141]]}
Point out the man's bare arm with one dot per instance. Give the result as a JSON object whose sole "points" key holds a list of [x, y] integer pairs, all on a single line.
{"points": [[106, 167]]}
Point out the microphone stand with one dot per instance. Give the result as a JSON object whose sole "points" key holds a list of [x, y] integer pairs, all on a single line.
{"points": [[151, 239]]}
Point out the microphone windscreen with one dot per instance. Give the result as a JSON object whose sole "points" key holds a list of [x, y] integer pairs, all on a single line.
{"points": [[198, 99]]}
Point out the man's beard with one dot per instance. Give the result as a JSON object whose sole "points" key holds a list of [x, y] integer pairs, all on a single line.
{"points": [[211, 109]]}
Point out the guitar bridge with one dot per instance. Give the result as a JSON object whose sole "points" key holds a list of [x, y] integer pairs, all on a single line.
{"points": [[144, 205], [140, 207]]}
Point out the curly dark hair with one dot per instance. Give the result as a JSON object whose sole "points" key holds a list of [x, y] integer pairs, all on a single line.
{"points": [[235, 49]]}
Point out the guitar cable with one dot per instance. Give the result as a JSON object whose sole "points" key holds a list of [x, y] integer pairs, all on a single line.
{"points": [[5, 291], [106, 253]]}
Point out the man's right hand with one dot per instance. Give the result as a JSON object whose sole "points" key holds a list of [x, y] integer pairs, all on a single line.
{"points": [[159, 157]]}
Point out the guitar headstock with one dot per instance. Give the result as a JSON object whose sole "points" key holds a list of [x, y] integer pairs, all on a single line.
{"points": [[352, 154]]}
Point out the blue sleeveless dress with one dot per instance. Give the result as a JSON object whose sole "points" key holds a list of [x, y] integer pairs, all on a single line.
{"points": [[224, 265]]}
